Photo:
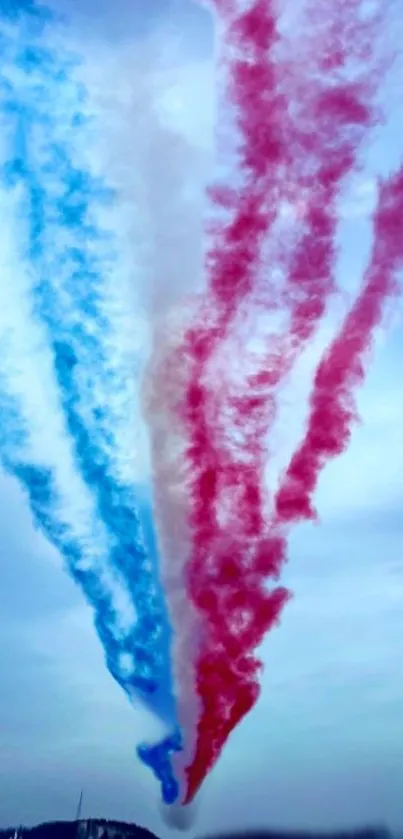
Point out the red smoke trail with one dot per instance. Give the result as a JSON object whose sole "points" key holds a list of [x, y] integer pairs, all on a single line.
{"points": [[226, 680], [318, 161], [341, 369], [231, 562]]}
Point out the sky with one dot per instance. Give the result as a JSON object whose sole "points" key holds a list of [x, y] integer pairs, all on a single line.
{"points": [[323, 748]]}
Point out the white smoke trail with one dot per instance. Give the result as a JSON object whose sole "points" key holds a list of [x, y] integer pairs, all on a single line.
{"points": [[166, 179], [180, 817]]}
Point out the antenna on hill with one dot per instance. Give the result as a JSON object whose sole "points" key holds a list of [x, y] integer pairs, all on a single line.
{"points": [[80, 802]]}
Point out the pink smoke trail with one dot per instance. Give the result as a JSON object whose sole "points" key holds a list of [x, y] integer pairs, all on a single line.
{"points": [[230, 564], [172, 367], [305, 122], [341, 370]]}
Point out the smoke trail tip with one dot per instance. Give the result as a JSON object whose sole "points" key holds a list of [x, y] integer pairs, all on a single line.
{"points": [[179, 816]]}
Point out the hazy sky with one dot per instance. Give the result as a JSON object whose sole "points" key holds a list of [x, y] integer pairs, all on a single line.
{"points": [[324, 746]]}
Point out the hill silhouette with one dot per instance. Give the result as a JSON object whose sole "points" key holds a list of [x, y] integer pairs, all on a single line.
{"points": [[85, 829], [104, 829]]}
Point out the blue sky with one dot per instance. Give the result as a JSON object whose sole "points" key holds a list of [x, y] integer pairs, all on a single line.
{"points": [[324, 746]]}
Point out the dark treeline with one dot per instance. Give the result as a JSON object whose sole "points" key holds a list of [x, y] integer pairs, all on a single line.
{"points": [[101, 828]]}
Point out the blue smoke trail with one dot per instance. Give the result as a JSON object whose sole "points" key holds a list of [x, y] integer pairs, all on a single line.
{"points": [[39, 484], [57, 219]]}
